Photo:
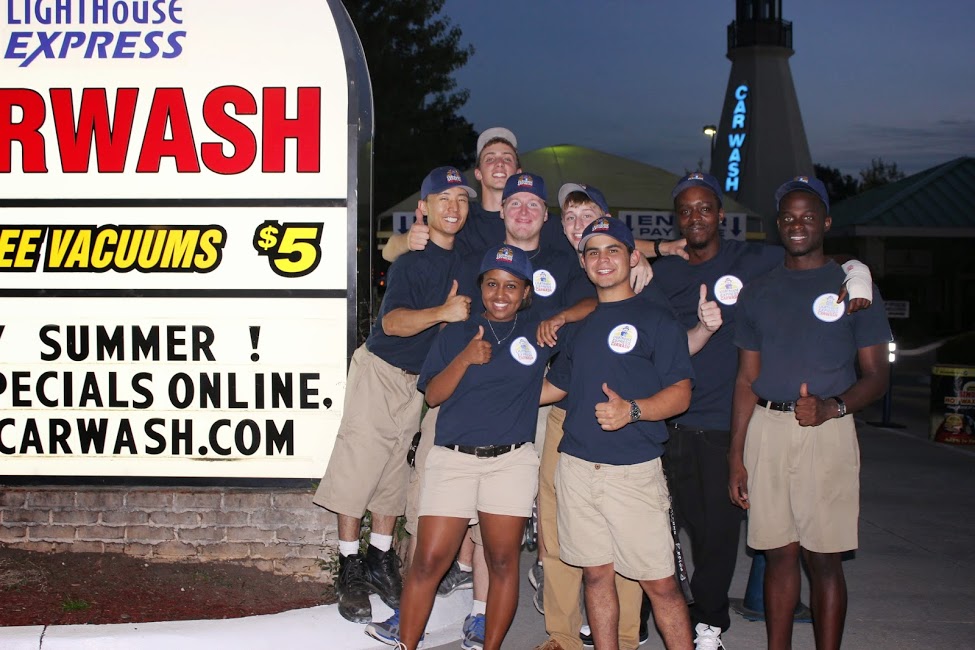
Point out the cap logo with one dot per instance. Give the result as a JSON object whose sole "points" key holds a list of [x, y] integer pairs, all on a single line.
{"points": [[453, 176], [600, 225], [696, 176], [802, 179], [526, 181], [505, 255]]}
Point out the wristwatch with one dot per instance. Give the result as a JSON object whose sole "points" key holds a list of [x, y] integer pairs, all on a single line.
{"points": [[635, 411], [841, 406]]}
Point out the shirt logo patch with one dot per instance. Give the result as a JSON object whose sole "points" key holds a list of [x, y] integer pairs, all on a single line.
{"points": [[523, 352], [622, 339], [543, 283], [726, 289], [826, 309]]}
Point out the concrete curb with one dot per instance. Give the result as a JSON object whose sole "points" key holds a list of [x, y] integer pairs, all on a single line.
{"points": [[315, 627]]}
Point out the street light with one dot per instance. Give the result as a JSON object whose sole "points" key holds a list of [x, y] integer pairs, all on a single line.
{"points": [[710, 130]]}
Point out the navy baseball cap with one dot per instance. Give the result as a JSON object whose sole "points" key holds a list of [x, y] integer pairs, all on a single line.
{"points": [[508, 258], [809, 184], [530, 183], [594, 195], [443, 178], [697, 179], [607, 226]]}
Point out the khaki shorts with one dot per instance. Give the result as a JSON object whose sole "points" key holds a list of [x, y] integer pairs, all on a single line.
{"points": [[456, 484], [803, 482], [428, 432], [615, 514], [367, 469]]}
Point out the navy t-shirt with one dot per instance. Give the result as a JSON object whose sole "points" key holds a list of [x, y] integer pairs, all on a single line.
{"points": [[484, 229], [737, 264], [555, 270], [637, 349], [417, 280], [495, 403], [583, 288], [792, 318]]}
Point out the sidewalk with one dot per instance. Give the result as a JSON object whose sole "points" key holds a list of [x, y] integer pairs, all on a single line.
{"points": [[911, 584]]}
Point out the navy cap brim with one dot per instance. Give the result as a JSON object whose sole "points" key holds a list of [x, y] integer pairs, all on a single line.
{"points": [[694, 182], [798, 186]]}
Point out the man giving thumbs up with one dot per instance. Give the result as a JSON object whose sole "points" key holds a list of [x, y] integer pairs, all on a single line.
{"points": [[626, 371]]}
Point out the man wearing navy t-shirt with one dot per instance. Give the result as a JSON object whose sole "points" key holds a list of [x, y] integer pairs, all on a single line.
{"points": [[627, 370], [697, 453], [794, 462], [367, 469]]}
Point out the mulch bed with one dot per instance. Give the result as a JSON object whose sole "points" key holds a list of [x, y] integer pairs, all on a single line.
{"points": [[91, 588]]}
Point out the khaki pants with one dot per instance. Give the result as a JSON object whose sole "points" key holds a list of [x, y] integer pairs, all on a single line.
{"points": [[563, 616]]}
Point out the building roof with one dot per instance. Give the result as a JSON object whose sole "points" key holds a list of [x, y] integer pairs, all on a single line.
{"points": [[627, 184], [937, 202]]}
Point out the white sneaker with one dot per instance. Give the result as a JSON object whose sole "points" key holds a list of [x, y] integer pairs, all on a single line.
{"points": [[707, 637]]}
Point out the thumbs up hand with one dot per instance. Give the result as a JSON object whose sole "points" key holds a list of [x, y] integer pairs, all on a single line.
{"points": [[419, 233], [456, 308], [614, 413], [708, 311], [811, 410], [478, 351]]}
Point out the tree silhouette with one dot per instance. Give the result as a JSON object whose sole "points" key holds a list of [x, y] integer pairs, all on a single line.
{"points": [[412, 52]]}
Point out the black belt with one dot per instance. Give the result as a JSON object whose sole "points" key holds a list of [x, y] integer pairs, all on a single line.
{"points": [[487, 451], [777, 406]]}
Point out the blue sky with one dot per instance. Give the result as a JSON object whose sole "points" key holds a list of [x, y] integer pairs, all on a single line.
{"points": [[639, 78]]}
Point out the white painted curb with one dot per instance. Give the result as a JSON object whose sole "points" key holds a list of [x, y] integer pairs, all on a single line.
{"points": [[315, 627]]}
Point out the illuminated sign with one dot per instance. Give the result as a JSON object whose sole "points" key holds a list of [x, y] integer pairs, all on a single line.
{"points": [[736, 139], [651, 224], [177, 235]]}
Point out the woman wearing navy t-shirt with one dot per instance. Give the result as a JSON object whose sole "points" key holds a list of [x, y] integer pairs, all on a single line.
{"points": [[486, 374]]}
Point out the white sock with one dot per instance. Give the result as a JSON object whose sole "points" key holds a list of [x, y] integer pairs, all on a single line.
{"points": [[480, 607], [465, 568], [348, 548], [382, 542]]}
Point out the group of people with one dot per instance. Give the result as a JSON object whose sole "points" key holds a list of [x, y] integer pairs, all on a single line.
{"points": [[718, 381]]}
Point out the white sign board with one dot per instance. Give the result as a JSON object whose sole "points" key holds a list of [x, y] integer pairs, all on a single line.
{"points": [[176, 234]]}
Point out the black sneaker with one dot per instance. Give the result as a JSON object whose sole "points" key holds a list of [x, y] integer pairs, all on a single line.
{"points": [[352, 589], [383, 576]]}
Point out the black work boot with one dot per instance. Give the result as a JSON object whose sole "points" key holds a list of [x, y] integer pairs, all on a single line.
{"points": [[382, 574], [352, 589]]}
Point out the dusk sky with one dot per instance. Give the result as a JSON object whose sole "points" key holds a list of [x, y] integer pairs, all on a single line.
{"points": [[639, 78]]}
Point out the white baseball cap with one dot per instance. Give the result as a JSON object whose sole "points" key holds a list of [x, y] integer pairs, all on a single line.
{"points": [[495, 132]]}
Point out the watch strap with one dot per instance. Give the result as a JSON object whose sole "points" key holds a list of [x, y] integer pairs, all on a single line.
{"points": [[635, 411], [841, 404]]}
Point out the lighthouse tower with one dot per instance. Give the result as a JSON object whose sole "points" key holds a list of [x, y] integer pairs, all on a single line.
{"points": [[760, 142]]}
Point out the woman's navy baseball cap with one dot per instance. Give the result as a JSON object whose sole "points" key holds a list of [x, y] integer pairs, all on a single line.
{"points": [[508, 258]]}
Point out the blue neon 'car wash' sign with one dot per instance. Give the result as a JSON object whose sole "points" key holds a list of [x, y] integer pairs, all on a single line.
{"points": [[736, 139]]}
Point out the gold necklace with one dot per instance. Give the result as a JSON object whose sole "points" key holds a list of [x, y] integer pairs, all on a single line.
{"points": [[495, 334]]}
